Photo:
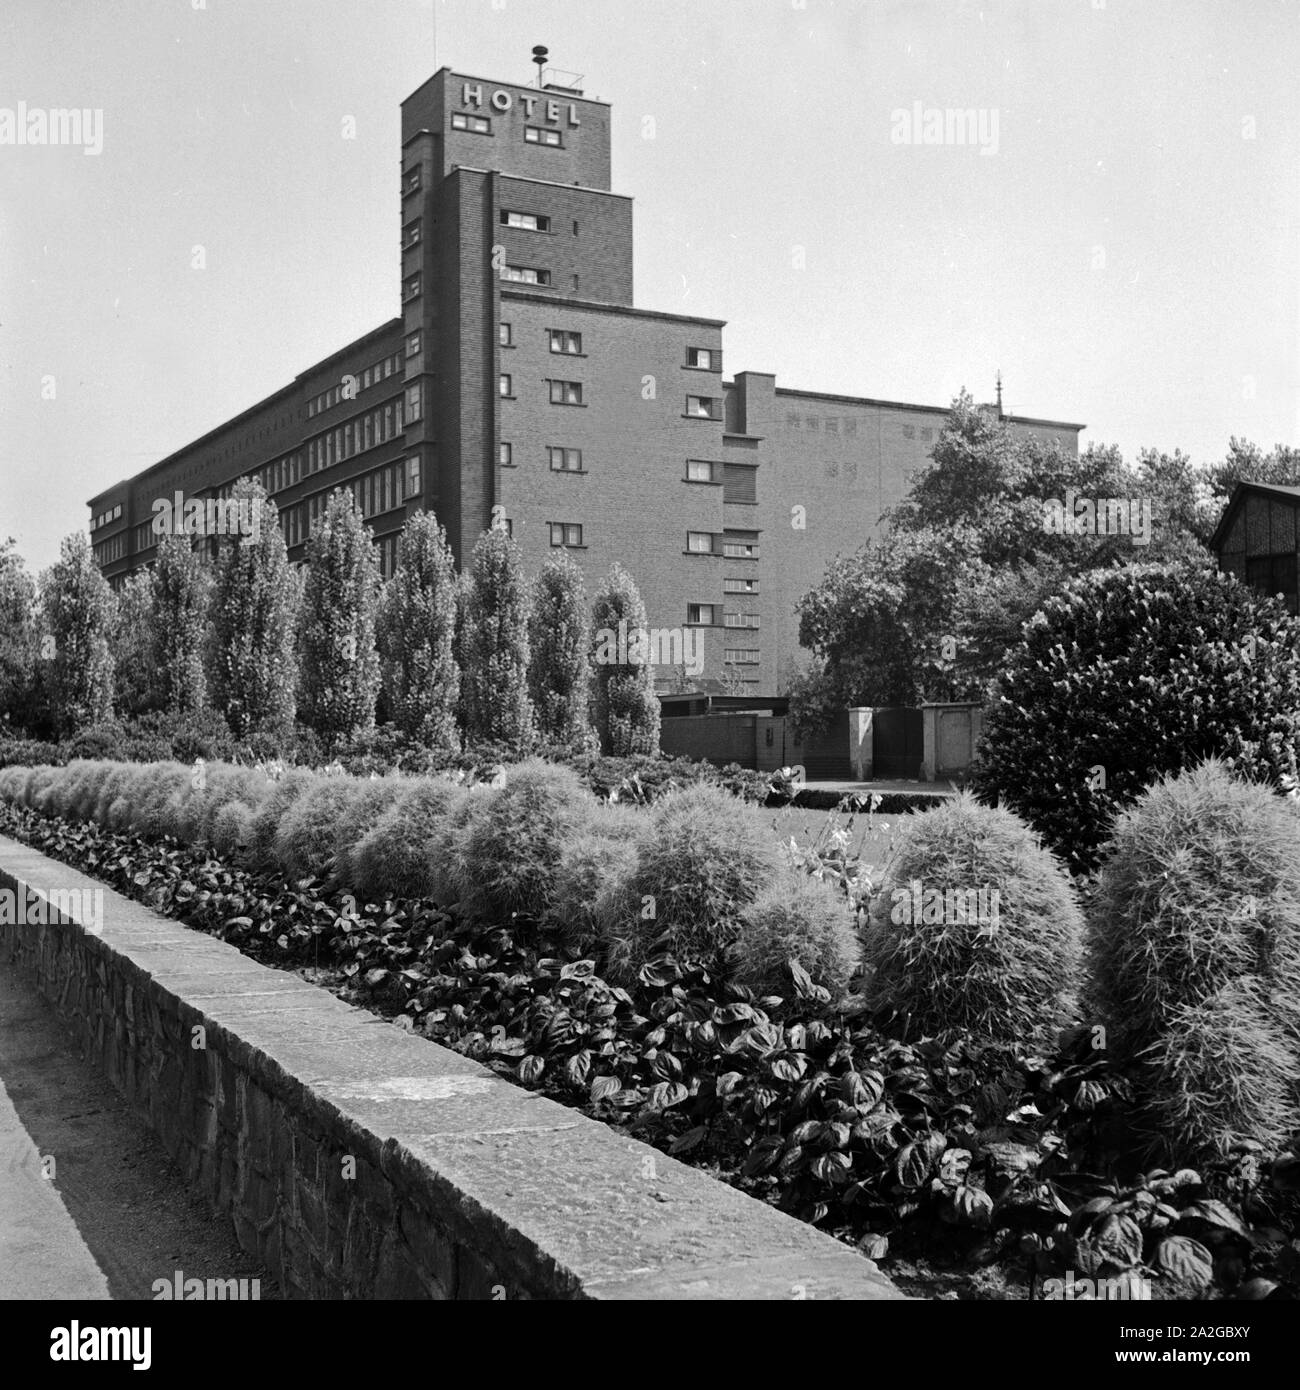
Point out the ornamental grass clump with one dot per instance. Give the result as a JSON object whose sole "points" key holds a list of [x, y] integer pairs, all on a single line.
{"points": [[308, 836], [595, 867], [507, 854], [284, 791], [800, 918], [407, 852], [704, 857], [1194, 928], [975, 928]]}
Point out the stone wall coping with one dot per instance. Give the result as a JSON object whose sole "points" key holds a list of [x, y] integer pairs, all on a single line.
{"points": [[585, 1211]]}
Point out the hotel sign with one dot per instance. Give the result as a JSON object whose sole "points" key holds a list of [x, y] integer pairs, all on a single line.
{"points": [[503, 101]]}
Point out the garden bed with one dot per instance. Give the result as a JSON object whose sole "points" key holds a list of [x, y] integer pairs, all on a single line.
{"points": [[964, 1169]]}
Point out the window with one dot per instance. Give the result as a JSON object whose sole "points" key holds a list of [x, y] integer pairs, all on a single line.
{"points": [[505, 455], [565, 460], [536, 135], [702, 407], [742, 656], [414, 403], [749, 620], [699, 357], [506, 335], [699, 542], [527, 221], [740, 482], [562, 341], [699, 614], [697, 471], [480, 125], [411, 287], [411, 181], [412, 477], [566, 393], [506, 384], [526, 275], [740, 545], [412, 346], [740, 586], [411, 235], [566, 533]]}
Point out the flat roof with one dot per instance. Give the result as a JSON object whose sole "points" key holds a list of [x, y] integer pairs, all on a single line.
{"points": [[909, 405], [604, 307], [497, 82], [252, 410]]}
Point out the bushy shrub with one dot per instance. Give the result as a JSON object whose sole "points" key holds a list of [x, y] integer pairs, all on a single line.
{"points": [[974, 927], [27, 752], [1195, 937], [232, 830], [595, 866], [407, 853], [306, 837], [114, 785], [507, 856], [374, 797], [802, 918], [223, 784], [704, 857], [283, 793], [153, 794], [1129, 674]]}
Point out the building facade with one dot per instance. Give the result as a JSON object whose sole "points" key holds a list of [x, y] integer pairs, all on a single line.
{"points": [[520, 386], [1258, 539]]}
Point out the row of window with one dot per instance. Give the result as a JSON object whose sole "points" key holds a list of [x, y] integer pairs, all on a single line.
{"points": [[370, 376], [366, 431], [482, 125], [571, 393], [568, 343], [105, 517], [735, 545], [707, 614], [282, 473], [112, 549]]}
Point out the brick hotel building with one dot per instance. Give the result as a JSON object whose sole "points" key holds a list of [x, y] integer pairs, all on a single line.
{"points": [[521, 385]]}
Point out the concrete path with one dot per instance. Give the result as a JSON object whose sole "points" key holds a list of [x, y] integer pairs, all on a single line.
{"points": [[42, 1254], [866, 788]]}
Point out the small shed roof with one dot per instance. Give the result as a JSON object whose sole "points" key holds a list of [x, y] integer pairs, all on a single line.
{"points": [[1277, 490]]}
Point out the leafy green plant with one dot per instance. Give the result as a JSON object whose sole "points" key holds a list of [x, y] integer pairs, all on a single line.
{"points": [[975, 927], [1195, 933], [1129, 674]]}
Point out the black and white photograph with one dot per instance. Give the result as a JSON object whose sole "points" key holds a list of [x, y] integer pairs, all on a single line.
{"points": [[650, 652]]}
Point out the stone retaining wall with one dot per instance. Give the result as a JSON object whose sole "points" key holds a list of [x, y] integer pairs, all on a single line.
{"points": [[359, 1161]]}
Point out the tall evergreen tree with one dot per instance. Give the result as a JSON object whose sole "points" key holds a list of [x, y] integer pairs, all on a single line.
{"points": [[181, 593], [19, 641], [559, 672], [494, 642], [78, 611], [626, 707], [417, 636], [252, 662], [135, 682], [339, 671]]}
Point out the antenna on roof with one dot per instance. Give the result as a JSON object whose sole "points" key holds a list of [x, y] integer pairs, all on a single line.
{"points": [[999, 393], [540, 55]]}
